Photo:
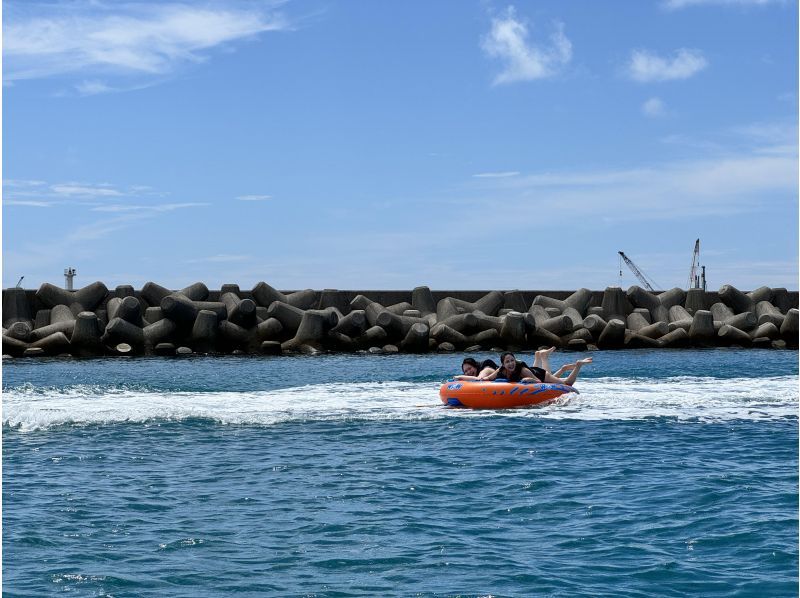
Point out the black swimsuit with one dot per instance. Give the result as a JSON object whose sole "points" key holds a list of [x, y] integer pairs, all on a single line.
{"points": [[516, 375]]}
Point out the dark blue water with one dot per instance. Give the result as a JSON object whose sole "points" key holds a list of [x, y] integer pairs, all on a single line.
{"points": [[672, 473]]}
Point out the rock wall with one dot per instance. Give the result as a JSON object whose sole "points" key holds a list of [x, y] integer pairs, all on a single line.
{"points": [[94, 321]]}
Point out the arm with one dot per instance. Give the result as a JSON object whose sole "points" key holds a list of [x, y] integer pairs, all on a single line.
{"points": [[465, 377], [491, 376]]}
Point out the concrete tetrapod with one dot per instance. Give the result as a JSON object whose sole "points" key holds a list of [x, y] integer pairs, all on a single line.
{"points": [[613, 335], [766, 312], [676, 338], [130, 310], [513, 331], [636, 322], [736, 299], [85, 339], [121, 331], [639, 297], [655, 330], [42, 318], [195, 292], [514, 301], [680, 318], [265, 295], [15, 307], [52, 344], [490, 303], [702, 332], [160, 331], [730, 335], [270, 329], [234, 337], [288, 315], [422, 299], [20, 331], [61, 320], [239, 311], [13, 346], [594, 324], [781, 299], [124, 290], [88, 297], [442, 333], [417, 338], [333, 298], [616, 305], [760, 294], [767, 330], [789, 328], [313, 329], [179, 308], [153, 293], [372, 337], [204, 332], [695, 300], [353, 324], [638, 341]]}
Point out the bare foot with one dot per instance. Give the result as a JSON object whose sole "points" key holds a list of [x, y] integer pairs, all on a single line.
{"points": [[545, 352], [584, 361]]}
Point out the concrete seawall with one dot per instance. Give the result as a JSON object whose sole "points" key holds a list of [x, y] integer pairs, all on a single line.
{"points": [[97, 321]]}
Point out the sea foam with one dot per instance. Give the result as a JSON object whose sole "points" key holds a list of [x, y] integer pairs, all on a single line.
{"points": [[28, 408]]}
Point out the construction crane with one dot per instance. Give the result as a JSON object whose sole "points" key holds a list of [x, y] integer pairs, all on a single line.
{"points": [[649, 283], [695, 281]]}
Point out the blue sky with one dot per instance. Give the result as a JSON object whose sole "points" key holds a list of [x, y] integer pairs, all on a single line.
{"points": [[386, 145]]}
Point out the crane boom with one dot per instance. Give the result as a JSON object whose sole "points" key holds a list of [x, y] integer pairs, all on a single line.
{"points": [[695, 264], [648, 283]]}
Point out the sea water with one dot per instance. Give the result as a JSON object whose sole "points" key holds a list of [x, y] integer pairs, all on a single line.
{"points": [[671, 473]]}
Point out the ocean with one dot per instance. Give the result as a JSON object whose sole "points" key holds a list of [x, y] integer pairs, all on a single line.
{"points": [[672, 473]]}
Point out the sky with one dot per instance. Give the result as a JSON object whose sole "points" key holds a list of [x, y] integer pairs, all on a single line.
{"points": [[458, 144]]}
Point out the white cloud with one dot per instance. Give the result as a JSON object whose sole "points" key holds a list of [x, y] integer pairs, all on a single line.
{"points": [[254, 197], [496, 175], [85, 190], [678, 4], [122, 39], [645, 66], [169, 207], [28, 203], [654, 107], [703, 188], [508, 41], [17, 183]]}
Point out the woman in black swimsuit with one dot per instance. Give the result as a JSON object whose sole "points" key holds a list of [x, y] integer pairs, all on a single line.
{"points": [[518, 371]]}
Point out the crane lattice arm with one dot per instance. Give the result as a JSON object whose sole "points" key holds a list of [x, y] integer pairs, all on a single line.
{"points": [[648, 283], [693, 282]]}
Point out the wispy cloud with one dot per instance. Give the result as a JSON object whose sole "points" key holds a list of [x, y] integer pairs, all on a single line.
{"points": [[72, 191], [645, 66], [168, 207], [707, 187], [654, 107], [28, 203], [496, 175], [678, 4], [254, 197], [84, 190], [124, 39], [523, 60]]}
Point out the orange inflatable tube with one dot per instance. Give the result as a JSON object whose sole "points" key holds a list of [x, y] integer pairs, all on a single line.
{"points": [[499, 394]]}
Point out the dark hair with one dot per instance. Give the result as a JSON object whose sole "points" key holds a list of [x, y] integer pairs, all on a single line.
{"points": [[503, 356], [472, 362], [488, 363]]}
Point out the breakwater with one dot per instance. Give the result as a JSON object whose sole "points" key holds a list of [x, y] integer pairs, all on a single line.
{"points": [[95, 321]]}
